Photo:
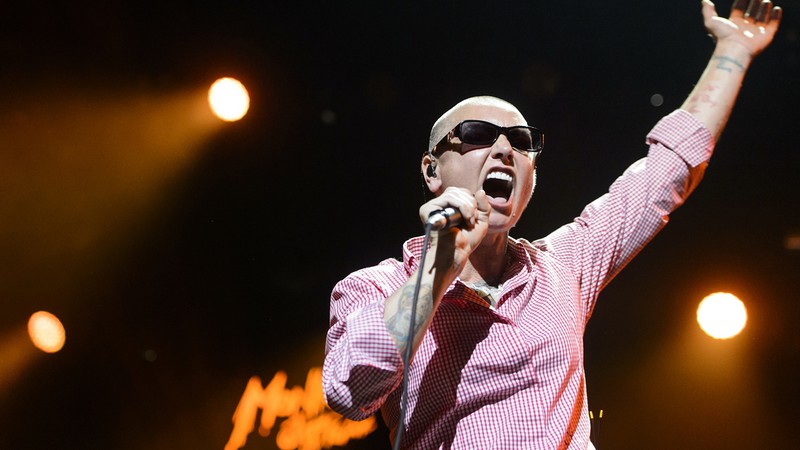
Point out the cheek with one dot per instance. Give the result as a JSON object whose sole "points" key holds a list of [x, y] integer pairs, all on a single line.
{"points": [[526, 186], [461, 172]]}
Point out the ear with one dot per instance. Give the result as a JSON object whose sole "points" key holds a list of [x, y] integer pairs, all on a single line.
{"points": [[431, 177]]}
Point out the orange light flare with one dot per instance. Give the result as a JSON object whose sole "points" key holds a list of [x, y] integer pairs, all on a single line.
{"points": [[228, 99], [46, 332], [83, 173], [722, 315], [16, 354]]}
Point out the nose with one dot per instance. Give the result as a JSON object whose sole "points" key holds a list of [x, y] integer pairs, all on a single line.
{"points": [[502, 149]]}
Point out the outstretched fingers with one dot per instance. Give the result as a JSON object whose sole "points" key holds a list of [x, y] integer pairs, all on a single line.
{"points": [[767, 13], [762, 12], [741, 8], [774, 17]]}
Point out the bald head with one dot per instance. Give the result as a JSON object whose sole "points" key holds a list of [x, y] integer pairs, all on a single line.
{"points": [[467, 109]]}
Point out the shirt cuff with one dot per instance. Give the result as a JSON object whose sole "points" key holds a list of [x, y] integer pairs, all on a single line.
{"points": [[682, 133]]}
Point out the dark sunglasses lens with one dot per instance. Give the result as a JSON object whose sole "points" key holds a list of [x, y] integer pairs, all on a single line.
{"points": [[478, 133], [523, 138]]}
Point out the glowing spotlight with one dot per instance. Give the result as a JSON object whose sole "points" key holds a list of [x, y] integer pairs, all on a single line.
{"points": [[721, 315], [46, 332], [228, 99]]}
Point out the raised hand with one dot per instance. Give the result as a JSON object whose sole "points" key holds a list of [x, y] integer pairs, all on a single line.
{"points": [[752, 24]]}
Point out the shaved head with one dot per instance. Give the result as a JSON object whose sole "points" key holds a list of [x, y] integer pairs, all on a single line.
{"points": [[461, 111]]}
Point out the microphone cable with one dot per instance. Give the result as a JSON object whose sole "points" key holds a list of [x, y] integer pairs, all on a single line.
{"points": [[407, 356]]}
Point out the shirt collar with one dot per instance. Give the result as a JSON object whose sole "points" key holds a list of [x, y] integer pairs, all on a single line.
{"points": [[412, 249]]}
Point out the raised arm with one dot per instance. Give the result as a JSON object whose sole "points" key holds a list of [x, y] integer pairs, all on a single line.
{"points": [[747, 32]]}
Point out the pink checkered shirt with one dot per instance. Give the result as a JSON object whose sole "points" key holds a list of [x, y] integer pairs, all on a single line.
{"points": [[509, 377]]}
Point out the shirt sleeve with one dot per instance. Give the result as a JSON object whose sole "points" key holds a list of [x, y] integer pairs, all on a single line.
{"points": [[614, 228], [362, 363]]}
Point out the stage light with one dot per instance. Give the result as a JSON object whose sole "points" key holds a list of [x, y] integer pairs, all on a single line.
{"points": [[721, 315], [228, 99], [46, 332]]}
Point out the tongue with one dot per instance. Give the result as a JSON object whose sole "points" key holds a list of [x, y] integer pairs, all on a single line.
{"points": [[497, 202], [498, 196]]}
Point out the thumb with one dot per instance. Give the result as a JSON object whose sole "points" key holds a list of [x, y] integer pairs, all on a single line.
{"points": [[716, 26], [709, 10]]}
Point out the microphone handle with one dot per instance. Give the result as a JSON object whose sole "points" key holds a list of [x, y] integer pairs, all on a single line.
{"points": [[444, 218]]}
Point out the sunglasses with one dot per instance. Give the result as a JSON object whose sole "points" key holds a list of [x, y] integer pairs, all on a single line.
{"points": [[525, 139]]}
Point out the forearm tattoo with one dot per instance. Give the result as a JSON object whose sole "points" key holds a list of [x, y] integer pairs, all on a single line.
{"points": [[399, 322], [710, 97], [703, 97], [728, 64]]}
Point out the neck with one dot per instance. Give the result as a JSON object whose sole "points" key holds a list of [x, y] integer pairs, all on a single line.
{"points": [[488, 261]]}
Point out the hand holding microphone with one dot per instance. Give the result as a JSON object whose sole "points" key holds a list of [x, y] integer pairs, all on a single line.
{"points": [[461, 220], [455, 208]]}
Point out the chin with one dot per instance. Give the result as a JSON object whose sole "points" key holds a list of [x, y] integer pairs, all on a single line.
{"points": [[500, 224]]}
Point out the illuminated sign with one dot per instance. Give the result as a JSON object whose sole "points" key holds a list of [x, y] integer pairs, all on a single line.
{"points": [[309, 425]]}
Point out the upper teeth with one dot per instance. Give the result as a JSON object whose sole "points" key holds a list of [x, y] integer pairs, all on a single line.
{"points": [[499, 176]]}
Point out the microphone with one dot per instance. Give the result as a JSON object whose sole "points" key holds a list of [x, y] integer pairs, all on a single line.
{"points": [[444, 218]]}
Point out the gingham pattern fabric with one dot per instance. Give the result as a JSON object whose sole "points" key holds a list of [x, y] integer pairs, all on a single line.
{"points": [[509, 377]]}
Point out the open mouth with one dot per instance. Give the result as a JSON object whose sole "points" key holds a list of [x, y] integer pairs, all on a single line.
{"points": [[498, 185]]}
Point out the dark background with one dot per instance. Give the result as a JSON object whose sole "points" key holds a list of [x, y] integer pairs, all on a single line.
{"points": [[184, 255]]}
